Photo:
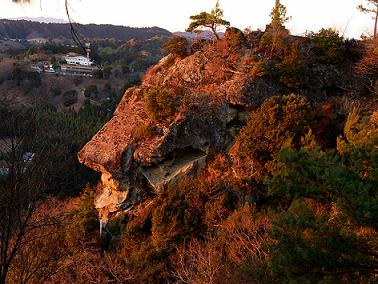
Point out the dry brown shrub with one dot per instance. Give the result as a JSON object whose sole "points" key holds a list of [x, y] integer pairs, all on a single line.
{"points": [[217, 71], [152, 71], [238, 253], [144, 132], [243, 168], [217, 209], [374, 118], [368, 65], [88, 267], [197, 263], [222, 48], [244, 236], [42, 250], [218, 168]]}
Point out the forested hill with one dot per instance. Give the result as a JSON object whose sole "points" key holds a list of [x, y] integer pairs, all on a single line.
{"points": [[21, 29]]}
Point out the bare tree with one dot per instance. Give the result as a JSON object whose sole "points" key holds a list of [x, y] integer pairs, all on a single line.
{"points": [[22, 193], [371, 8], [367, 67]]}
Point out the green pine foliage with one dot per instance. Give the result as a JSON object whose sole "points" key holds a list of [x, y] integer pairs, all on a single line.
{"points": [[178, 46], [328, 46], [178, 214], [160, 104], [276, 121], [327, 227], [211, 20], [316, 248], [290, 70]]}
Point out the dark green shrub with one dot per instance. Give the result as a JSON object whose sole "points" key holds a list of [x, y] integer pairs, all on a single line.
{"points": [[97, 74], [20, 75], [260, 69], [90, 90], [178, 46], [328, 46], [84, 222], [178, 214], [107, 72], [290, 70], [234, 37], [159, 103], [198, 45], [70, 98], [56, 91], [276, 121], [78, 80], [314, 247], [327, 231]]}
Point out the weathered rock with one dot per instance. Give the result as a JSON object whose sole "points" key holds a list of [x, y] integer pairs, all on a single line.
{"points": [[213, 90]]}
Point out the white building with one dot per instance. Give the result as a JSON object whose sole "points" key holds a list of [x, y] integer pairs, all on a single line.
{"points": [[78, 60]]}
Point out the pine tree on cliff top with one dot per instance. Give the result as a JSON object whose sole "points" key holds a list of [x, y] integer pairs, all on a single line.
{"points": [[212, 20]]}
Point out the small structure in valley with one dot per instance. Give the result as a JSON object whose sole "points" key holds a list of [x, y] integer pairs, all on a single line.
{"points": [[78, 65], [75, 59]]}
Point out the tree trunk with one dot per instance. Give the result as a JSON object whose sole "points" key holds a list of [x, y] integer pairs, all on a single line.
{"points": [[376, 23], [2, 278], [215, 32]]}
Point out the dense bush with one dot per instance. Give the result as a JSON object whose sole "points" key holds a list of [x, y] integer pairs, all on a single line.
{"points": [[178, 214], [290, 70], [315, 246], [278, 120], [84, 221], [329, 226], [367, 66], [328, 46], [198, 45], [78, 80], [234, 37], [70, 98], [178, 46], [260, 69], [159, 103], [20, 75], [90, 90]]}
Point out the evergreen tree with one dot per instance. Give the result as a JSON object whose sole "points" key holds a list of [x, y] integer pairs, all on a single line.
{"points": [[212, 20], [327, 230]]}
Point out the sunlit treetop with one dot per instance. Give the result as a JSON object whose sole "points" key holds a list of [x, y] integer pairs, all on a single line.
{"points": [[211, 20]]}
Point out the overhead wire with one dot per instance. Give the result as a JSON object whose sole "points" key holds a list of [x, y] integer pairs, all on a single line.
{"points": [[73, 28]]}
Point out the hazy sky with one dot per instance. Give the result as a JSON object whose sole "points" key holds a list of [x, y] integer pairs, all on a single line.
{"points": [[174, 14]]}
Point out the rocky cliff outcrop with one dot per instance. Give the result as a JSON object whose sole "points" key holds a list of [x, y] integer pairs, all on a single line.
{"points": [[212, 91]]}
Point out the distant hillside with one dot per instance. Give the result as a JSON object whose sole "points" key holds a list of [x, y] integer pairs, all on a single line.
{"points": [[27, 29], [41, 20], [193, 35]]}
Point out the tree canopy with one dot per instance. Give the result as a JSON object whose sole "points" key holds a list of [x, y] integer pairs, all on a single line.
{"points": [[211, 20], [278, 15]]}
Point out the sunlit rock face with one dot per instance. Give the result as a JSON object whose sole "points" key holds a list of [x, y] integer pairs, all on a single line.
{"points": [[131, 167], [214, 91]]}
